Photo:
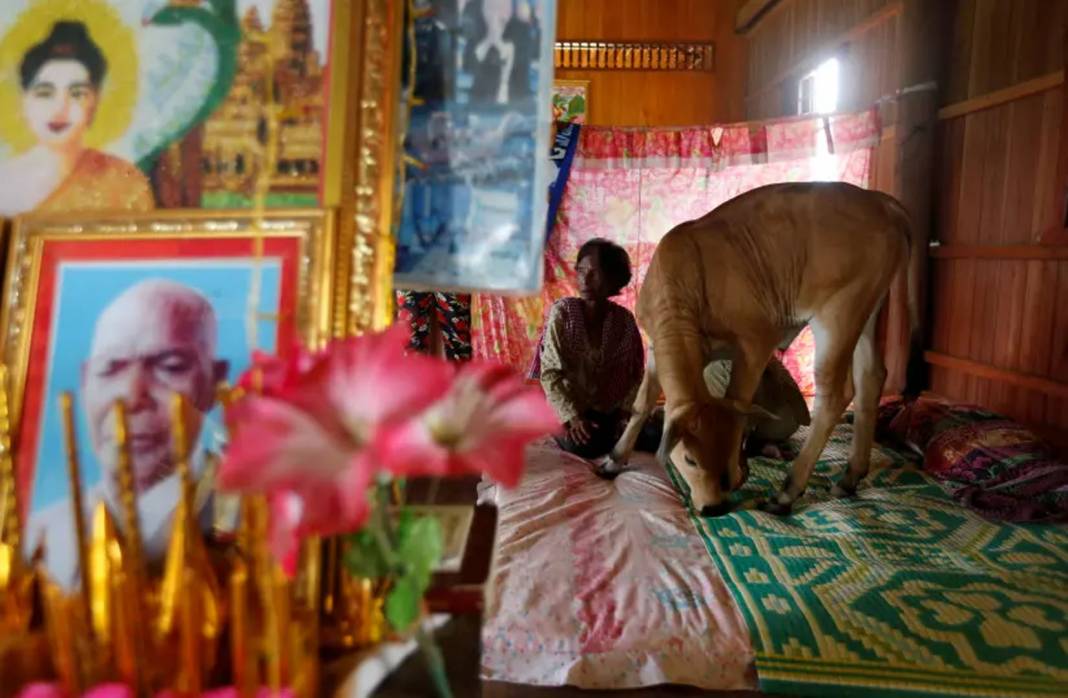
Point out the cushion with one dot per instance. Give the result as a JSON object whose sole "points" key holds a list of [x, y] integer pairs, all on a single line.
{"points": [[913, 424], [989, 463]]}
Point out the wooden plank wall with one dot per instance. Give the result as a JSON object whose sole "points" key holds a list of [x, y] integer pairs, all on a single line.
{"points": [[796, 35], [644, 98], [791, 39], [999, 337], [997, 334]]}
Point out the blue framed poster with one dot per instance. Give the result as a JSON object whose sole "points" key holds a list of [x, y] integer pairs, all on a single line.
{"points": [[475, 187]]}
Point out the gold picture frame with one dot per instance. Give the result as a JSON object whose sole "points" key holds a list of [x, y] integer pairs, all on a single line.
{"points": [[361, 178], [312, 230]]}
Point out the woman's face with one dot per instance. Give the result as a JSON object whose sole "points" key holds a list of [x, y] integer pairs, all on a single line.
{"points": [[591, 281], [60, 103]]}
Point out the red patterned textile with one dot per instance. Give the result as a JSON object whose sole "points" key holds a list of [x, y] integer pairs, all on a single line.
{"points": [[633, 185]]}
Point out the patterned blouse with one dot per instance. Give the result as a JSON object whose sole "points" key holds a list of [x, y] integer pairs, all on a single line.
{"points": [[578, 376]]}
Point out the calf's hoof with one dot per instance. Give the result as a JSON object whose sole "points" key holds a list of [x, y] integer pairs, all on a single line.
{"points": [[774, 506], [608, 469], [772, 451], [843, 489], [713, 510]]}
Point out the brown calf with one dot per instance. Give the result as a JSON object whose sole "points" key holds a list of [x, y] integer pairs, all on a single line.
{"points": [[739, 282]]}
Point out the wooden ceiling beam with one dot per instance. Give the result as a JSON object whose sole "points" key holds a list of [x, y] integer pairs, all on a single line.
{"points": [[750, 13]]}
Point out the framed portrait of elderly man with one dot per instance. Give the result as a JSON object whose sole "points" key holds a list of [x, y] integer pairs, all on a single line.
{"points": [[138, 308]]}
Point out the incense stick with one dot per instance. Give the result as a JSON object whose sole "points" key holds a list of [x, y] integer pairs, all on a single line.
{"points": [[181, 450], [70, 439], [128, 494]]}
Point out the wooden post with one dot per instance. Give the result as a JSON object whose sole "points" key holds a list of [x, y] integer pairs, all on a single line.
{"points": [[1058, 233], [920, 54]]}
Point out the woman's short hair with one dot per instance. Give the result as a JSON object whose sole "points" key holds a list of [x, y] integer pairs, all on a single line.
{"points": [[68, 41], [614, 262]]}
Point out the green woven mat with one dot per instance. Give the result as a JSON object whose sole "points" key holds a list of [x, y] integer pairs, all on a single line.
{"points": [[899, 591]]}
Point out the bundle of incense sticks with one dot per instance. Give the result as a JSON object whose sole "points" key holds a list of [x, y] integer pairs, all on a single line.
{"points": [[180, 631]]}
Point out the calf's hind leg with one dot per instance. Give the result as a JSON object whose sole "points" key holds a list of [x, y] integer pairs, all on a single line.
{"points": [[835, 343], [869, 374]]}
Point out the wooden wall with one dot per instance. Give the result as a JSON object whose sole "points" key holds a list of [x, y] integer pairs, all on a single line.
{"points": [[796, 35], [645, 98], [999, 337], [997, 334]]}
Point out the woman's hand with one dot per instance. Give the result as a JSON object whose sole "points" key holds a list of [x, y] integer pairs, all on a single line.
{"points": [[579, 430]]}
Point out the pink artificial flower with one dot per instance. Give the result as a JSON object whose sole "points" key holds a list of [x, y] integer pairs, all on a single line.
{"points": [[42, 690], [269, 374], [369, 380], [110, 690], [306, 439], [480, 426], [232, 692], [278, 445], [339, 505]]}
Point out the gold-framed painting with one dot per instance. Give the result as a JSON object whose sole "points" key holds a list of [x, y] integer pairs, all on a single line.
{"points": [[176, 109], [174, 103], [137, 308]]}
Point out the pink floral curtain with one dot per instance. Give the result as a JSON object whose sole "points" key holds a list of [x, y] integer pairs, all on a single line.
{"points": [[634, 185]]}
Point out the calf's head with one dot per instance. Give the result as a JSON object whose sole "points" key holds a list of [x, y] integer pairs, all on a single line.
{"points": [[705, 442]]}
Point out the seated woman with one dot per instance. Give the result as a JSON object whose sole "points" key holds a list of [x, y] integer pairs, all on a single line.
{"points": [[779, 394], [590, 358]]}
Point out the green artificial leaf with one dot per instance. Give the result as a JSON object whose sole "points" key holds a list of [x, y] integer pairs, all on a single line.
{"points": [[363, 557], [402, 604], [420, 548], [577, 106]]}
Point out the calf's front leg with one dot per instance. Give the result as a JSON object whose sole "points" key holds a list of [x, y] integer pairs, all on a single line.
{"points": [[750, 360], [648, 394]]}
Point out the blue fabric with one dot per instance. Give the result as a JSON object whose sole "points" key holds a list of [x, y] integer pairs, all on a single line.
{"points": [[563, 153]]}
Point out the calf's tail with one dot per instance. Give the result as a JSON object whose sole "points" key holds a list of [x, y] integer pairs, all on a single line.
{"points": [[916, 369]]}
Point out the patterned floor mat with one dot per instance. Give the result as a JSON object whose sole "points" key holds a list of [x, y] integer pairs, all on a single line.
{"points": [[899, 591]]}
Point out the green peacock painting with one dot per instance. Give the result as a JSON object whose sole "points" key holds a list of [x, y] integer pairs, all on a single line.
{"points": [[191, 53]]}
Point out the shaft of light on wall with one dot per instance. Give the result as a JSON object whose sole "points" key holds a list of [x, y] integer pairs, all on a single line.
{"points": [[825, 97]]}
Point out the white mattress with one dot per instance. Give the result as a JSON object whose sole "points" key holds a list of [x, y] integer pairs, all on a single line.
{"points": [[606, 584]]}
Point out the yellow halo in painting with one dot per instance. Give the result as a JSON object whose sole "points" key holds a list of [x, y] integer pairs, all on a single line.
{"points": [[116, 40]]}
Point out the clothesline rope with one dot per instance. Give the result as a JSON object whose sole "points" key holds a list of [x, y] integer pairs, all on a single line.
{"points": [[929, 86]]}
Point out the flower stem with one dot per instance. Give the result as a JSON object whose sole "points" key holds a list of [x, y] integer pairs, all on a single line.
{"points": [[382, 530], [382, 493], [435, 662]]}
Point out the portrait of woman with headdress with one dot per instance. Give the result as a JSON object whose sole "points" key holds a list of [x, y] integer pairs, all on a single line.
{"points": [[60, 79], [101, 100]]}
